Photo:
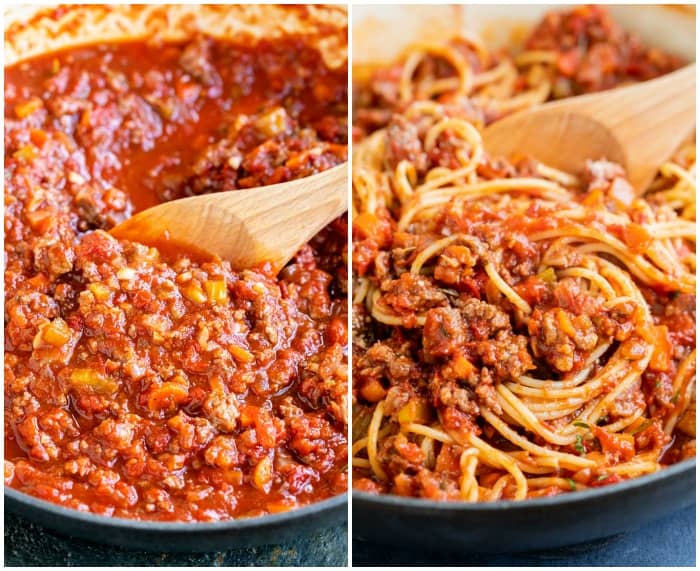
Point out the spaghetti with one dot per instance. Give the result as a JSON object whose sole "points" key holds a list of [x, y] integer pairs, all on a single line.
{"points": [[519, 331]]}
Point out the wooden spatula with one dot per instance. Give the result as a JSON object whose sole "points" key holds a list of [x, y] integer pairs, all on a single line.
{"points": [[245, 227], [639, 127]]}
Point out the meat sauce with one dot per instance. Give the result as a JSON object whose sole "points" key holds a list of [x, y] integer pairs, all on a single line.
{"points": [[141, 383], [443, 372]]}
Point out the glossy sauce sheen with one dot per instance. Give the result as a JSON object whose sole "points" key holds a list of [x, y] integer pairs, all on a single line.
{"points": [[139, 383]]}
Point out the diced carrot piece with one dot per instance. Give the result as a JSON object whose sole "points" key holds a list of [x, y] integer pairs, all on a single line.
{"points": [[38, 137], [637, 237], [661, 357], [240, 354], [265, 429], [26, 108], [233, 476], [593, 198], [462, 367], [167, 396], [369, 225], [403, 485], [248, 414], [373, 391]]}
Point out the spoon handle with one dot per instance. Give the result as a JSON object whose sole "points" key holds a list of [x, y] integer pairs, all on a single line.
{"points": [[245, 227], [638, 126], [649, 120]]}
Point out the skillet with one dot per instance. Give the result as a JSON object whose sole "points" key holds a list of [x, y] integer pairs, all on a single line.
{"points": [[379, 34], [34, 30], [539, 523], [179, 536]]}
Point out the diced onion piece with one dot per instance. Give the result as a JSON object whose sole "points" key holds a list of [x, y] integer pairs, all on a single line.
{"points": [[92, 380], [100, 291], [57, 333], [25, 152], [548, 275], [273, 122], [565, 324], [233, 476], [194, 292], [127, 274], [622, 191], [262, 476], [216, 291], [414, 411]]}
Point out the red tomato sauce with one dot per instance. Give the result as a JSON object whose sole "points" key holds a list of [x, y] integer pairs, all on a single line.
{"points": [[145, 384]]}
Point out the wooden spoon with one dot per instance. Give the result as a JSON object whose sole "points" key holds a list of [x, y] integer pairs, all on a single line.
{"points": [[639, 127], [245, 227]]}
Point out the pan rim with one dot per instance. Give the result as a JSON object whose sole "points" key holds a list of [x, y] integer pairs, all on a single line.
{"points": [[420, 504]]}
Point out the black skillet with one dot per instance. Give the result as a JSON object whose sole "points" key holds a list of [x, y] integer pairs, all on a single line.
{"points": [[508, 527], [179, 537]]}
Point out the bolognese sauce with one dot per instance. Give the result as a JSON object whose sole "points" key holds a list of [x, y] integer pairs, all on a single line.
{"points": [[518, 331], [147, 384]]}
